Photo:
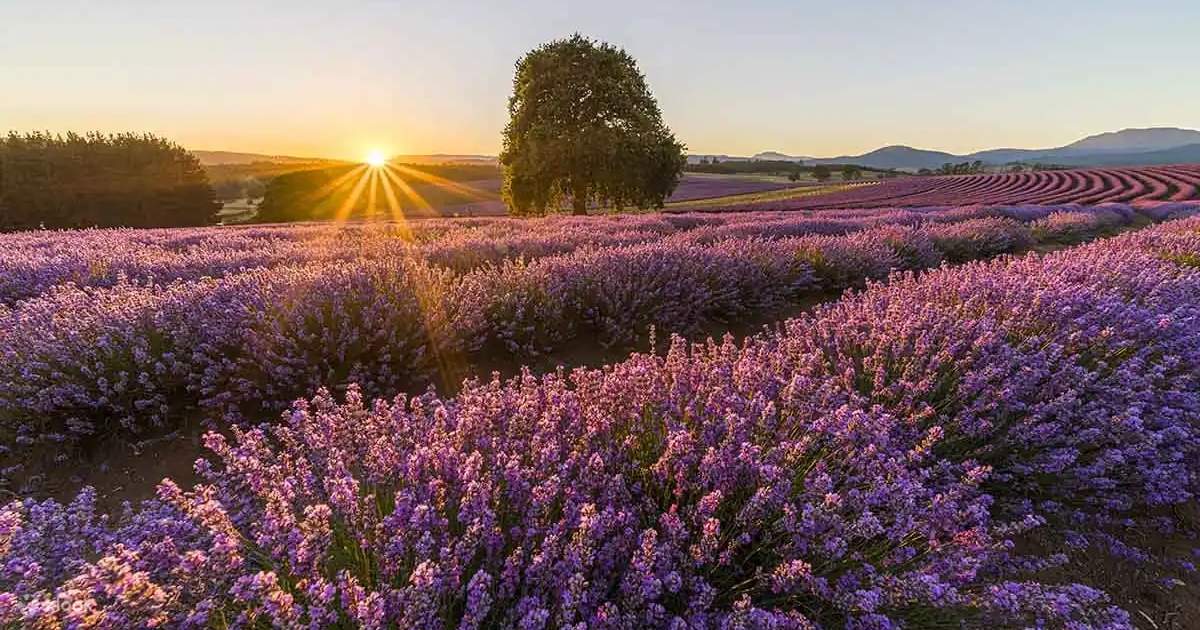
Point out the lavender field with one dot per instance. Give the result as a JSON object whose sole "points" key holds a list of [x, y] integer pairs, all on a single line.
{"points": [[584, 316], [692, 187], [992, 402], [1137, 185]]}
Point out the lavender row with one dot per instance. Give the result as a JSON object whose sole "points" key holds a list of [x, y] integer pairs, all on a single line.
{"points": [[869, 467], [1139, 185], [125, 360], [32, 263]]}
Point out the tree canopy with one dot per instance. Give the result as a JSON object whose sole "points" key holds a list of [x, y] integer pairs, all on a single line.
{"points": [[585, 128], [97, 180]]}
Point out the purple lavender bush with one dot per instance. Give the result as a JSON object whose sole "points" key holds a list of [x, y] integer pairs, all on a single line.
{"points": [[88, 361], [980, 238], [869, 466], [1074, 227], [31, 263]]}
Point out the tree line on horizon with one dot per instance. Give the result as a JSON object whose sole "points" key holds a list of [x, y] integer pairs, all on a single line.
{"points": [[792, 169], [960, 168], [100, 180]]}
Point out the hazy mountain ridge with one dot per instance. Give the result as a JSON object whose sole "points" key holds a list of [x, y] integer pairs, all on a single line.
{"points": [[1186, 154], [1137, 140], [1154, 145], [782, 157]]}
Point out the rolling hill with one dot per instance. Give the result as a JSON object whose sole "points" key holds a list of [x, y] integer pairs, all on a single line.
{"points": [[1136, 140], [1155, 145], [214, 158]]}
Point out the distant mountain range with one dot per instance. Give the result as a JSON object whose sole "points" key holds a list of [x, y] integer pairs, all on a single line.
{"points": [[775, 155], [1128, 147]]}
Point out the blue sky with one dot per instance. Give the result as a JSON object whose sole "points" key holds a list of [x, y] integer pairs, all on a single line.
{"points": [[827, 78]]}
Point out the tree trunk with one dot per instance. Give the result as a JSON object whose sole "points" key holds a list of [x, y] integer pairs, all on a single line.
{"points": [[579, 204]]}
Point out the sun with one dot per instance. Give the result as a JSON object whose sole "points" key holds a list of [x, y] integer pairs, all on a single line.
{"points": [[376, 158]]}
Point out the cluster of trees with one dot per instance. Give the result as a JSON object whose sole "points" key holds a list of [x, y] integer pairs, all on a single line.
{"points": [[794, 171], [849, 172], [1019, 167], [746, 167], [961, 168], [585, 130], [307, 195], [976, 167], [97, 180]]}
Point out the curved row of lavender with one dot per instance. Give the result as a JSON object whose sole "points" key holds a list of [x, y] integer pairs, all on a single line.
{"points": [[134, 360], [1148, 184], [870, 466], [31, 263]]}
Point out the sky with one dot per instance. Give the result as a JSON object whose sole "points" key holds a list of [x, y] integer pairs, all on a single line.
{"points": [[805, 78]]}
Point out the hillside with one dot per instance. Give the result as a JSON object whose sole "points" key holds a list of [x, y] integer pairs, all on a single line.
{"points": [[1137, 140], [1187, 154], [895, 157], [1157, 145], [213, 158], [779, 157]]}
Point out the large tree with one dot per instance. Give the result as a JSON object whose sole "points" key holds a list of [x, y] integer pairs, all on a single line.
{"points": [[585, 128], [97, 180]]}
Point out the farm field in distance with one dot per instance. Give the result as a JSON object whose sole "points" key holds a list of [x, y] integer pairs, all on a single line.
{"points": [[1083, 186], [424, 198], [693, 187]]}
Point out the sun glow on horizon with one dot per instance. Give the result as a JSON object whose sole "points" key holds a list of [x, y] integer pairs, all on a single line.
{"points": [[376, 158]]}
